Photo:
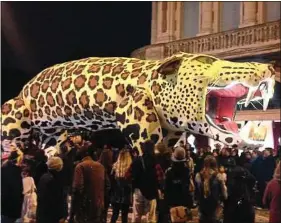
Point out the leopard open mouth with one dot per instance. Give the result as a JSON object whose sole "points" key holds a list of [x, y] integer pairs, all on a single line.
{"points": [[221, 102]]}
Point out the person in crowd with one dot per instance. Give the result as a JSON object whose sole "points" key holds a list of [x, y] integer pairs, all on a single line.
{"points": [[121, 188], [193, 154], [235, 156], [11, 189], [50, 206], [181, 144], [177, 182], [277, 157], [106, 159], [208, 151], [211, 190], [163, 158], [89, 184], [189, 162], [238, 208], [135, 153], [255, 154], [223, 173], [67, 154], [40, 165], [147, 179], [263, 169], [200, 160], [215, 153], [217, 147], [247, 161], [29, 206], [190, 165], [228, 161], [272, 197]]}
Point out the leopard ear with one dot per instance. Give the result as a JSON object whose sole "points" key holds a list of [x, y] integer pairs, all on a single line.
{"points": [[169, 66]]}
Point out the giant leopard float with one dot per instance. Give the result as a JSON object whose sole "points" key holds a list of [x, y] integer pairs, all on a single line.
{"points": [[145, 99]]}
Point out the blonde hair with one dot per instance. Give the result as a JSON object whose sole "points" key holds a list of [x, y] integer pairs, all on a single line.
{"points": [[210, 169], [123, 163]]}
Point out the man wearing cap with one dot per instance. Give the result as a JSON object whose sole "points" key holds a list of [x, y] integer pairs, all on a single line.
{"points": [[177, 181], [50, 194], [88, 188]]}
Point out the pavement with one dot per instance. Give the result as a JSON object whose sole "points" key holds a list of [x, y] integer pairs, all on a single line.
{"points": [[262, 216]]}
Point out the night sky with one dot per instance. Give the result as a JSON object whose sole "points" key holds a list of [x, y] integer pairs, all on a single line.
{"points": [[35, 35]]}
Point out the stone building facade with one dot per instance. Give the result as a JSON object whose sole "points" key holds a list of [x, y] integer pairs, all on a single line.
{"points": [[237, 31]]}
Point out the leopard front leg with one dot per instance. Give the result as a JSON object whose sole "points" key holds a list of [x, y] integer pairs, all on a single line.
{"points": [[170, 138], [52, 142], [138, 120]]}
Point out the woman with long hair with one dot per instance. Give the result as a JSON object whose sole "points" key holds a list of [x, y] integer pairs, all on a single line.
{"points": [[210, 188], [121, 188]]}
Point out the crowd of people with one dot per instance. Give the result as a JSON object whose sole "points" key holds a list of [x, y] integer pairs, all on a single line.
{"points": [[161, 184]]}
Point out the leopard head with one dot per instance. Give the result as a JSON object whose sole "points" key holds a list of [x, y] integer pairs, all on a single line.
{"points": [[202, 88]]}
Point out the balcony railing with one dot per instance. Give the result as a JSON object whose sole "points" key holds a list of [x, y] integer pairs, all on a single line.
{"points": [[252, 39]]}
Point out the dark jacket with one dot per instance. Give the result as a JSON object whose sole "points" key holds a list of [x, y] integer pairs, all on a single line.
{"points": [[263, 168], [68, 168], [199, 163], [40, 169], [11, 190], [146, 175], [50, 198], [239, 206], [164, 160], [176, 189], [121, 191]]}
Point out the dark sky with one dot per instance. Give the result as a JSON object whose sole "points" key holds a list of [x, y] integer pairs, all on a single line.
{"points": [[35, 35]]}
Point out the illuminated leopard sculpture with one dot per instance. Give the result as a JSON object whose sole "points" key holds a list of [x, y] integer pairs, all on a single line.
{"points": [[145, 99]]}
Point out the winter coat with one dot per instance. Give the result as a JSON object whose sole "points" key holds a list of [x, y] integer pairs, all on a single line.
{"points": [[50, 198], [88, 189], [239, 207], [263, 168], [11, 190], [272, 197], [176, 189], [164, 160], [121, 191], [40, 169], [146, 175]]}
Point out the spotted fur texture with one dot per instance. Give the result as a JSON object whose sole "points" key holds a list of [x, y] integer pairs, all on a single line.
{"points": [[145, 99]]}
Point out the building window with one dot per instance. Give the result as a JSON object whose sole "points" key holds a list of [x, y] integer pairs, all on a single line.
{"points": [[230, 15], [191, 19], [272, 11]]}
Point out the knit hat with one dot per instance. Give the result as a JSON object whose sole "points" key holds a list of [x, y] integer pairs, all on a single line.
{"points": [[55, 163], [179, 155]]}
